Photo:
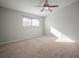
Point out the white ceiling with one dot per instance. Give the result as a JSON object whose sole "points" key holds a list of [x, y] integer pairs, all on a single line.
{"points": [[29, 5]]}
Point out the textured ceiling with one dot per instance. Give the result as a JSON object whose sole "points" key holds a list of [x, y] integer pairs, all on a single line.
{"points": [[29, 5]]}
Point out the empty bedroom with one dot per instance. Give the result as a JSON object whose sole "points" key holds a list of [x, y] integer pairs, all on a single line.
{"points": [[39, 28]]}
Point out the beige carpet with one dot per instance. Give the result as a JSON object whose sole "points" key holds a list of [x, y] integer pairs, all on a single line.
{"points": [[43, 47]]}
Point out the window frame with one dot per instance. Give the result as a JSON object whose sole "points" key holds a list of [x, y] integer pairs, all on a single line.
{"points": [[31, 20]]}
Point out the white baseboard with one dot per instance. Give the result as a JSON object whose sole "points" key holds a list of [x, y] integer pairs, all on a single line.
{"points": [[3, 43]]}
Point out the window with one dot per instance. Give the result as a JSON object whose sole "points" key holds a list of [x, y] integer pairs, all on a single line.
{"points": [[26, 22], [30, 22], [35, 22]]}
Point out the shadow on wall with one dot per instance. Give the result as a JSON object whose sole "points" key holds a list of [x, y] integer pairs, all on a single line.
{"points": [[61, 37]]}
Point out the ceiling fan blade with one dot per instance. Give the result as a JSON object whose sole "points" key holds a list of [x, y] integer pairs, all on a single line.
{"points": [[42, 10], [39, 6], [54, 6], [46, 1]]}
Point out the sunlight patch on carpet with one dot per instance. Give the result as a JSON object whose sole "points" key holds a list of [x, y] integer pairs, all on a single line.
{"points": [[61, 37]]}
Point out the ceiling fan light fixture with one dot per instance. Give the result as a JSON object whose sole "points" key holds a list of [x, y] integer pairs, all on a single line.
{"points": [[47, 7]]}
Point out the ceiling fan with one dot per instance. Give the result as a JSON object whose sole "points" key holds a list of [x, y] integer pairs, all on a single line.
{"points": [[46, 6]]}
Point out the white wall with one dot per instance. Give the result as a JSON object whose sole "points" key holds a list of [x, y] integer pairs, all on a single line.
{"points": [[11, 26], [65, 20]]}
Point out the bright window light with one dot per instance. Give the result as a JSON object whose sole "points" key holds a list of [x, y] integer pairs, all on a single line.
{"points": [[35, 22], [30, 22], [61, 37], [26, 22]]}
